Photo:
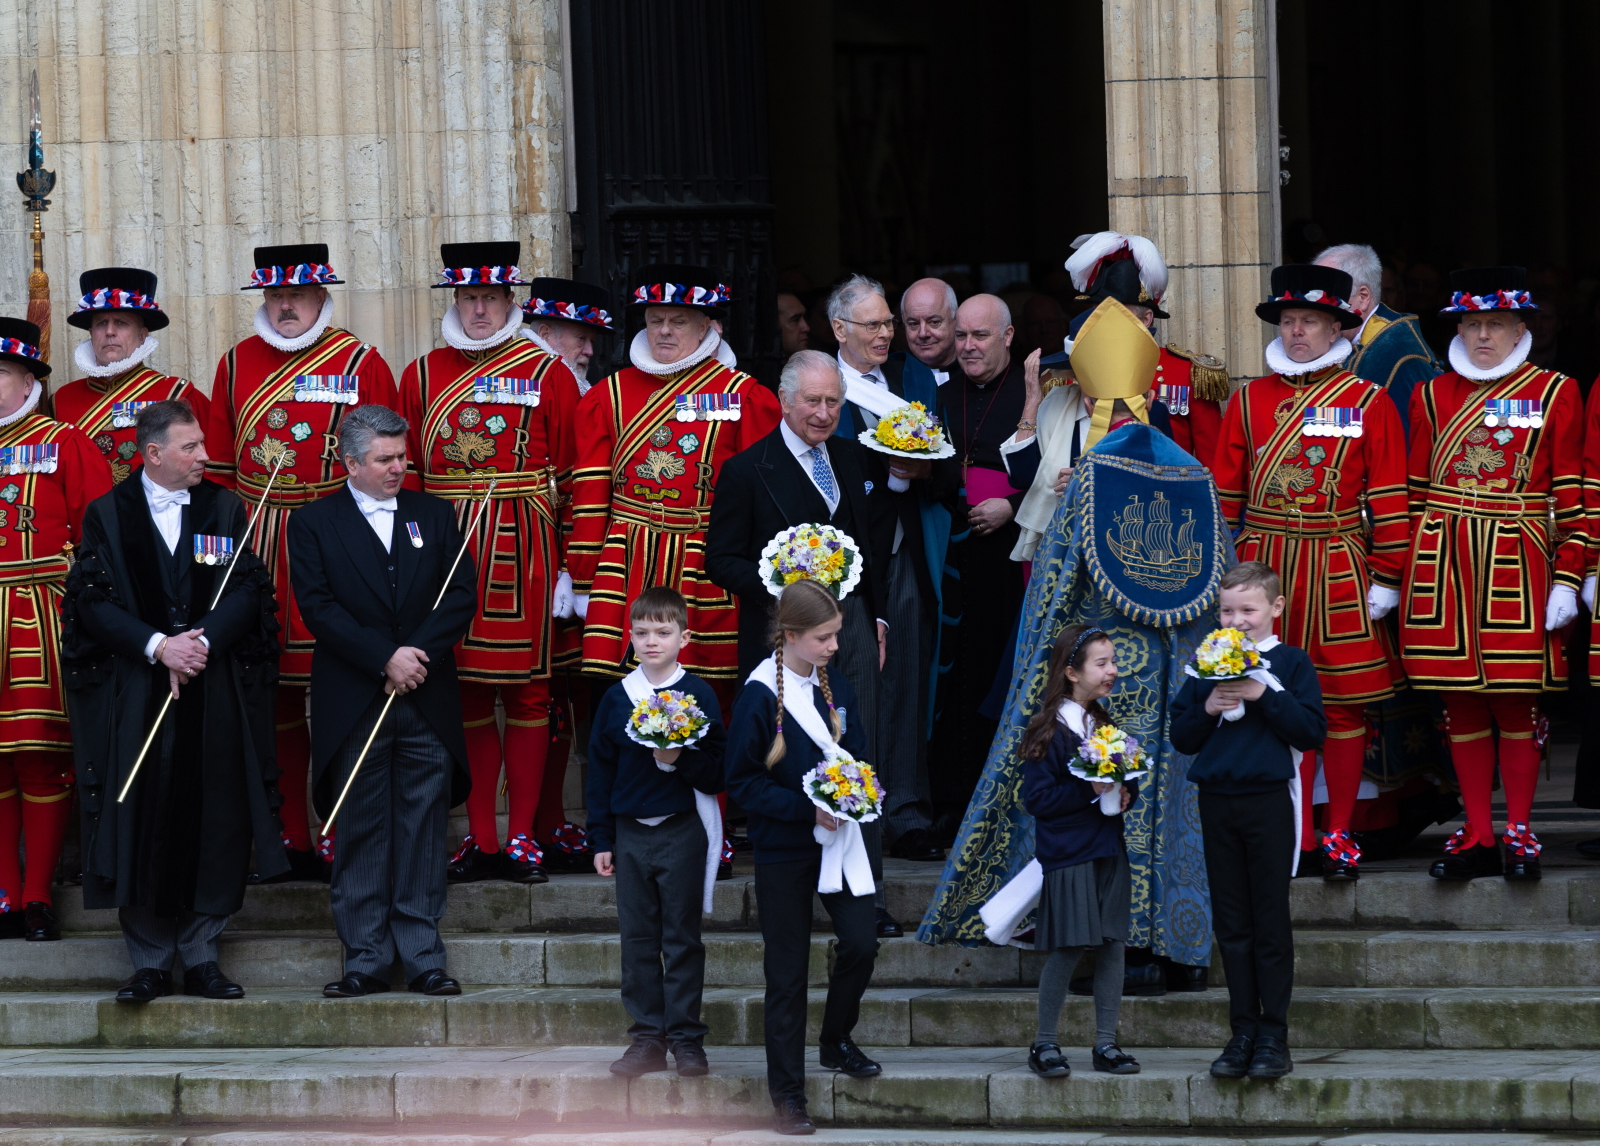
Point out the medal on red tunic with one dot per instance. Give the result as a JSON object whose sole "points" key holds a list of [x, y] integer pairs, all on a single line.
{"points": [[1332, 422], [327, 388], [1519, 413], [1176, 398], [707, 408], [125, 414]]}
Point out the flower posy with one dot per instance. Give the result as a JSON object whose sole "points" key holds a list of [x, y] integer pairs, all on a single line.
{"points": [[1110, 755], [910, 430], [845, 787], [667, 719], [817, 553], [1226, 654]]}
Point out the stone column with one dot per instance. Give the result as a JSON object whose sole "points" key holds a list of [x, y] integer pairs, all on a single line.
{"points": [[186, 132], [1191, 131]]}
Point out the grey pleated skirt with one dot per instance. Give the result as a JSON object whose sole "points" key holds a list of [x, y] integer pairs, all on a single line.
{"points": [[1084, 905]]}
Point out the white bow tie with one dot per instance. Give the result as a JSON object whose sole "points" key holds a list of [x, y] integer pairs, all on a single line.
{"points": [[373, 505], [161, 499]]}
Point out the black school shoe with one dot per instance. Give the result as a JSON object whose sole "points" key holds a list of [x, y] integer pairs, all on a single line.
{"points": [[789, 1117], [1235, 1059], [1271, 1059], [1047, 1061], [1112, 1059], [208, 982], [645, 1056], [690, 1060], [1468, 863]]}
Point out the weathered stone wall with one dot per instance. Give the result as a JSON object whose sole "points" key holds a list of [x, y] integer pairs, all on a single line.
{"points": [[185, 132]]}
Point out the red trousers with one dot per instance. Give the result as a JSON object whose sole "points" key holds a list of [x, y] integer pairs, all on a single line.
{"points": [[526, 746], [1468, 718], [35, 807], [294, 765]]}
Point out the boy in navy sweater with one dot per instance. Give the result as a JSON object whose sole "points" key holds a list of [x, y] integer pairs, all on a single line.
{"points": [[1244, 735], [648, 815]]}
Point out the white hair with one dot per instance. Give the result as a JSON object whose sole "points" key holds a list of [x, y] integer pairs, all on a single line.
{"points": [[842, 302], [802, 362], [950, 302], [1360, 262]]}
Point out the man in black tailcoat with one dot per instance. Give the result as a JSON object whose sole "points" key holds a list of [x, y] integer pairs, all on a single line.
{"points": [[368, 562], [139, 625]]}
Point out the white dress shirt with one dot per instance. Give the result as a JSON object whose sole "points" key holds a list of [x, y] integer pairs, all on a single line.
{"points": [[379, 514], [801, 449]]}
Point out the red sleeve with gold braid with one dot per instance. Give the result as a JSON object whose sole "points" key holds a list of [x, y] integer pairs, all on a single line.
{"points": [[598, 428], [1230, 466], [1591, 475], [223, 466], [562, 439], [1565, 419], [1384, 445], [1419, 448]]}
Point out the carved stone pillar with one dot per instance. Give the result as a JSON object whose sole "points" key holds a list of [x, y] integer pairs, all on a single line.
{"points": [[1191, 132]]}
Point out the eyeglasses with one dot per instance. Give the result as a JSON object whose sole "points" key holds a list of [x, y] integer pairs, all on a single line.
{"points": [[882, 326]]}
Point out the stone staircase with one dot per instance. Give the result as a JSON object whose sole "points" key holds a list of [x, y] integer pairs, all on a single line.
{"points": [[1423, 1013]]}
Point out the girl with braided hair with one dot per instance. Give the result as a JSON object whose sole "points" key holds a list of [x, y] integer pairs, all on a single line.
{"points": [[788, 711]]}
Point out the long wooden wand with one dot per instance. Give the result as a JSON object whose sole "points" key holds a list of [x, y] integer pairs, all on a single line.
{"points": [[166, 704], [443, 589]]}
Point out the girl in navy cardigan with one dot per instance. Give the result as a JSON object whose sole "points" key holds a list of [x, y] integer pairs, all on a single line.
{"points": [[1084, 901]]}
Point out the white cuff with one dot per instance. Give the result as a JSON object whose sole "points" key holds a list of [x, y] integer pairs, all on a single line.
{"points": [[153, 644]]}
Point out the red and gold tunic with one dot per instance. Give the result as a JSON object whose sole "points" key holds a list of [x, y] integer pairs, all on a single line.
{"points": [[1299, 498], [1497, 517], [41, 515], [1591, 500], [642, 501], [92, 405], [256, 418], [464, 432], [1194, 387]]}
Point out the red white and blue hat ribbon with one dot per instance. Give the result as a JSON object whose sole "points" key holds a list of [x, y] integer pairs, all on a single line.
{"points": [[115, 298], [681, 294], [486, 276], [18, 347], [554, 308], [1463, 301], [301, 274], [1318, 296]]}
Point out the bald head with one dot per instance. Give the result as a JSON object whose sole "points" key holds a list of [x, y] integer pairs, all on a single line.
{"points": [[928, 310], [983, 338]]}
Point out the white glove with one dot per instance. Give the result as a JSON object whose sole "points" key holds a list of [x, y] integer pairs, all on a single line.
{"points": [[1563, 607], [580, 605], [561, 601], [1381, 601], [898, 483], [1588, 592]]}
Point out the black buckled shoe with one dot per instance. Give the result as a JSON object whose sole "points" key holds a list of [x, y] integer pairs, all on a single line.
{"points": [[645, 1056], [888, 926], [523, 860], [690, 1060], [471, 864], [1112, 1059], [1468, 863], [354, 985], [39, 923], [1271, 1059], [789, 1117], [917, 845], [1182, 977], [434, 982], [845, 1057], [208, 982], [1235, 1059], [1047, 1061], [147, 984], [1341, 858], [1522, 869]]}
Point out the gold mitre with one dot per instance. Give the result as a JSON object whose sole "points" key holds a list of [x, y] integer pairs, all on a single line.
{"points": [[1114, 356]]}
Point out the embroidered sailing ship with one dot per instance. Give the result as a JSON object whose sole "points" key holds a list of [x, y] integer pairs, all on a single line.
{"points": [[1150, 553]]}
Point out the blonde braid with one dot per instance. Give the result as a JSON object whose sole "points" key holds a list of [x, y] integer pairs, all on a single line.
{"points": [[833, 713], [776, 752]]}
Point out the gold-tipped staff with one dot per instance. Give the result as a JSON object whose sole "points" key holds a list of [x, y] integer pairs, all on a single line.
{"points": [[166, 704], [443, 589]]}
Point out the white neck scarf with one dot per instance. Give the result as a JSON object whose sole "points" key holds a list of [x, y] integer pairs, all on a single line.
{"points": [[272, 338], [638, 686], [27, 406], [874, 399], [1280, 363], [1461, 361], [83, 358], [456, 335], [711, 344]]}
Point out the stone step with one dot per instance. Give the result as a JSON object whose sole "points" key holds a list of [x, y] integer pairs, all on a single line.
{"points": [[1380, 901], [1430, 959], [1331, 1093], [1465, 1018]]}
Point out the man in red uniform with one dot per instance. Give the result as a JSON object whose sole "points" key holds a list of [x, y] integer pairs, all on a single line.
{"points": [[1193, 386], [49, 473], [1496, 444], [493, 405], [652, 439], [280, 394], [119, 310], [1301, 451]]}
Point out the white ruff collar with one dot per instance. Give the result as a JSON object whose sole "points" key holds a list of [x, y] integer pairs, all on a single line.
{"points": [[1280, 363], [712, 343], [83, 358], [290, 345], [1461, 361], [27, 406], [450, 326]]}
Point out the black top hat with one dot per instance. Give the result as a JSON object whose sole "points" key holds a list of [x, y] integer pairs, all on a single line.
{"points": [[19, 342], [1306, 286], [1120, 280], [117, 288], [480, 264], [569, 301], [1489, 288], [675, 284], [298, 264]]}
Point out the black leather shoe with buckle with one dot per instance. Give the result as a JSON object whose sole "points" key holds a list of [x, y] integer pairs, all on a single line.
{"points": [[845, 1057], [1112, 1059], [354, 985], [434, 982], [208, 982], [1047, 1061], [472, 864], [147, 984], [1468, 863], [789, 1117], [645, 1056], [1234, 1061]]}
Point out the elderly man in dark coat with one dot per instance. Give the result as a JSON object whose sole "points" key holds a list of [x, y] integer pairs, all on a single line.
{"points": [[143, 620]]}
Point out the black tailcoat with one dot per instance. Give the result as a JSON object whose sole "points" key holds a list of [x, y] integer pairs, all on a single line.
{"points": [[207, 791], [363, 604]]}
